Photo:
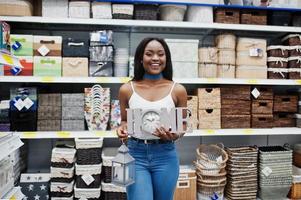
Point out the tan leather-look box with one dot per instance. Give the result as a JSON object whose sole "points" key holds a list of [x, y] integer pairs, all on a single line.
{"points": [[75, 67], [47, 45]]}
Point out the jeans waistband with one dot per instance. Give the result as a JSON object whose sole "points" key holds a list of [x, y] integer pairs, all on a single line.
{"points": [[152, 141]]}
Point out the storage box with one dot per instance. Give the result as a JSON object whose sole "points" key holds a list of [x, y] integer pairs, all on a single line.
{"points": [[262, 106], [170, 12], [280, 18], [183, 49], [294, 73], [225, 71], [228, 16], [73, 99], [25, 42], [73, 125], [265, 93], [245, 58], [256, 72], [186, 185], [210, 119], [278, 51], [296, 19], [53, 99], [146, 11], [207, 70], [47, 66], [16, 8], [55, 8], [102, 10], [74, 46], [87, 193], [79, 9], [236, 107], [38, 181], [226, 57], [88, 150], [277, 73], [295, 51], [258, 17], [73, 112], [4, 35], [49, 125], [208, 55], [294, 62], [296, 188], [75, 67], [192, 104], [225, 41], [58, 189], [49, 112], [285, 103], [236, 92], [63, 157], [284, 120], [185, 69], [100, 68], [122, 11], [47, 45], [101, 53], [209, 98], [62, 175], [292, 40], [262, 121], [110, 191], [247, 44], [101, 38], [27, 70], [82, 176], [277, 62], [236, 121], [200, 14]]}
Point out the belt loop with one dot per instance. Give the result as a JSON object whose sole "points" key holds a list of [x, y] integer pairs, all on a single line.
{"points": [[145, 141]]}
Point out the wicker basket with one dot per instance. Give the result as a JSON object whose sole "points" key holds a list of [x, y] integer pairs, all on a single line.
{"points": [[292, 40], [226, 57], [294, 62], [277, 73], [278, 51], [226, 41], [284, 120], [208, 55], [294, 73], [110, 191], [89, 150], [262, 106], [295, 51], [211, 156], [58, 189], [236, 121], [107, 156], [87, 193], [277, 62], [84, 170], [216, 178], [62, 174], [228, 16], [253, 17], [207, 70], [285, 103], [122, 11], [63, 157], [170, 12], [262, 121], [146, 11]]}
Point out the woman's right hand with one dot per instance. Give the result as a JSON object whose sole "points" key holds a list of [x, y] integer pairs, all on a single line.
{"points": [[122, 132]]}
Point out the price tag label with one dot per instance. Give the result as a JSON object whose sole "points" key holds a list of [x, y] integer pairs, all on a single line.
{"points": [[29, 135], [101, 133], [211, 80], [63, 134], [248, 131], [209, 131], [13, 198], [298, 82], [125, 79], [252, 81], [267, 171], [103, 79], [47, 79], [88, 179], [8, 59]]}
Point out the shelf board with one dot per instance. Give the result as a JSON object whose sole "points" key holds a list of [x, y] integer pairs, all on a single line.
{"points": [[119, 80], [150, 23], [202, 132]]}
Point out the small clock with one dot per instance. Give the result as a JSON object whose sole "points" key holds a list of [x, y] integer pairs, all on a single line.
{"points": [[150, 121]]}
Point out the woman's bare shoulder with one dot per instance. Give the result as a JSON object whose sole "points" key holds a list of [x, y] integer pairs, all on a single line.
{"points": [[125, 89], [179, 89]]}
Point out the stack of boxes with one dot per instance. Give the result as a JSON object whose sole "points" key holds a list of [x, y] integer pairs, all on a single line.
{"points": [[209, 113], [49, 112], [284, 108], [73, 112], [55, 8], [47, 55], [79, 9], [184, 57], [75, 55], [101, 53], [236, 107], [192, 104], [23, 109], [22, 48], [4, 116], [208, 62], [262, 107], [277, 61], [62, 173], [88, 168], [225, 44], [251, 58]]}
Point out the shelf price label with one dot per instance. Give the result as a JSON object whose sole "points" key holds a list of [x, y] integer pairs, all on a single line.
{"points": [[63, 134], [29, 135], [47, 79], [125, 79], [211, 80], [103, 79], [100, 133], [248, 131], [298, 82], [13, 198], [252, 81], [209, 131]]}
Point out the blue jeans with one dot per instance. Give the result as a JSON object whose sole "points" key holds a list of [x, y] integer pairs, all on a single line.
{"points": [[157, 171]]}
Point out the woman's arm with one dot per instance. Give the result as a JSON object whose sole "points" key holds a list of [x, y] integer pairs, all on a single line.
{"points": [[123, 100]]}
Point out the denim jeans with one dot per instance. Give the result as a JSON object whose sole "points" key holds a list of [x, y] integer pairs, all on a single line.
{"points": [[157, 171]]}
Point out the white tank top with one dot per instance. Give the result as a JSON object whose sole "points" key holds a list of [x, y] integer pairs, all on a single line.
{"points": [[137, 101]]}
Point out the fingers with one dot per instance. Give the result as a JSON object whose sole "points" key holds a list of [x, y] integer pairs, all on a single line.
{"points": [[122, 132], [165, 134]]}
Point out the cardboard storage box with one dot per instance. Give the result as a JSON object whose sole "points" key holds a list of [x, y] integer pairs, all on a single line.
{"points": [[183, 49], [16, 8], [207, 70], [256, 72], [226, 71], [26, 42], [186, 184], [246, 58], [55, 8], [47, 45], [47, 66], [76, 46], [75, 67]]}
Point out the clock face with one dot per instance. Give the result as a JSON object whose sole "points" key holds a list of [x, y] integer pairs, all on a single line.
{"points": [[150, 121]]}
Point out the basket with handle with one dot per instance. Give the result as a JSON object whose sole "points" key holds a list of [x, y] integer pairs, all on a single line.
{"points": [[211, 156]]}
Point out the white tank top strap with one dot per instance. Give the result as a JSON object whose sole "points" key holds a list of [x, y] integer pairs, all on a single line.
{"points": [[173, 85], [132, 85]]}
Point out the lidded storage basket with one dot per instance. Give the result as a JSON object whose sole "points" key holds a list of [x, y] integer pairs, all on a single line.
{"points": [[292, 40], [122, 11], [88, 150], [169, 12], [88, 176], [63, 157], [277, 62], [146, 11], [201, 14], [111, 191], [228, 16]]}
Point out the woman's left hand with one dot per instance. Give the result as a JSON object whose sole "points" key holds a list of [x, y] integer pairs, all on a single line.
{"points": [[165, 134]]}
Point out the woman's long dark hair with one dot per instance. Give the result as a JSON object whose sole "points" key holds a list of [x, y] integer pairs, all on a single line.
{"points": [[138, 65]]}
